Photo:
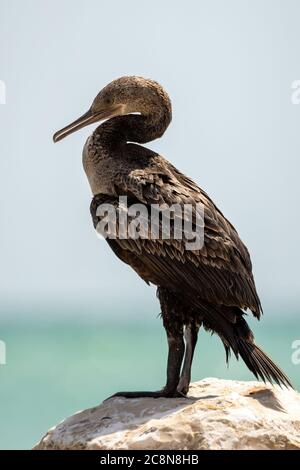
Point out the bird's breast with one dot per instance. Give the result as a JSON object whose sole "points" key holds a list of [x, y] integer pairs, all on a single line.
{"points": [[99, 167]]}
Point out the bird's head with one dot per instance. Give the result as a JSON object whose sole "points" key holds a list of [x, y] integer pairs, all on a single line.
{"points": [[126, 95]]}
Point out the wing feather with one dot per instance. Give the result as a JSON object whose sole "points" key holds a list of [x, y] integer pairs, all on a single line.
{"points": [[219, 273]]}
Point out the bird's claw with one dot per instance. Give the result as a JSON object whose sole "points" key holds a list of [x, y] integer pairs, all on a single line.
{"points": [[164, 393]]}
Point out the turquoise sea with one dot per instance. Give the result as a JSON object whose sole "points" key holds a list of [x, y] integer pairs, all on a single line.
{"points": [[57, 367]]}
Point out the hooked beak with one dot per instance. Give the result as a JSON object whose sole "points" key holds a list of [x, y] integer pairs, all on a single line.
{"points": [[87, 118]]}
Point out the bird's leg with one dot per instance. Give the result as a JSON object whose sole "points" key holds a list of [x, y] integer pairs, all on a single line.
{"points": [[172, 315], [190, 336], [175, 357]]}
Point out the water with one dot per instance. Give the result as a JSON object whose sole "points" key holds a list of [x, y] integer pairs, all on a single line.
{"points": [[57, 368]]}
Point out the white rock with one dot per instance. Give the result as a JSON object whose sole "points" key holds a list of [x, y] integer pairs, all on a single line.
{"points": [[218, 414]]}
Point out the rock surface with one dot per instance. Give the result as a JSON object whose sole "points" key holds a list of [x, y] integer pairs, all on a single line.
{"points": [[218, 414]]}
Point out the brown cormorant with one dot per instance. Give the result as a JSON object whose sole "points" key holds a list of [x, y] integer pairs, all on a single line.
{"points": [[212, 286]]}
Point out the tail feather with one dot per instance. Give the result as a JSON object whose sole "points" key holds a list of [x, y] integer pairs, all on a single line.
{"points": [[261, 365], [238, 338]]}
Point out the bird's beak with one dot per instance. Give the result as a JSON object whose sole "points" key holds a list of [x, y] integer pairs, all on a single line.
{"points": [[87, 118]]}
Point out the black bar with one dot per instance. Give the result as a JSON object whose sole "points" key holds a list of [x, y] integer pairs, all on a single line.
{"points": [[145, 458]]}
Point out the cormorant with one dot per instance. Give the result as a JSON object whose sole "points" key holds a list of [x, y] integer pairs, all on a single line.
{"points": [[211, 286]]}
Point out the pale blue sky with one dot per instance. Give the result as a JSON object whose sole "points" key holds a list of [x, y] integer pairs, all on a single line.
{"points": [[228, 67]]}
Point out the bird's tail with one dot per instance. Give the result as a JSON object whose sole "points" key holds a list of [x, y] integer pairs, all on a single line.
{"points": [[234, 331], [257, 361], [260, 364]]}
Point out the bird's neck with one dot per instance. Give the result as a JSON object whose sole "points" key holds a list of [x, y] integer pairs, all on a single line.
{"points": [[108, 144], [138, 128]]}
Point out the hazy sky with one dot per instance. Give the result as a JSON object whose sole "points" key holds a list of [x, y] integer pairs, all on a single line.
{"points": [[228, 67]]}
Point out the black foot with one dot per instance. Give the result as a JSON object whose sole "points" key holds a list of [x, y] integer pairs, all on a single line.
{"points": [[141, 394]]}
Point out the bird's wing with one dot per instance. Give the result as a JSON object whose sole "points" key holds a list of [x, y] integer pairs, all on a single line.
{"points": [[220, 272]]}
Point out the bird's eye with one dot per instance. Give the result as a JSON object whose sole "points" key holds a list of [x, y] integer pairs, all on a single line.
{"points": [[107, 101]]}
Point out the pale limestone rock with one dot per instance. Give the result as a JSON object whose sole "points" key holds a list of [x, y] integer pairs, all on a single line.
{"points": [[218, 414]]}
